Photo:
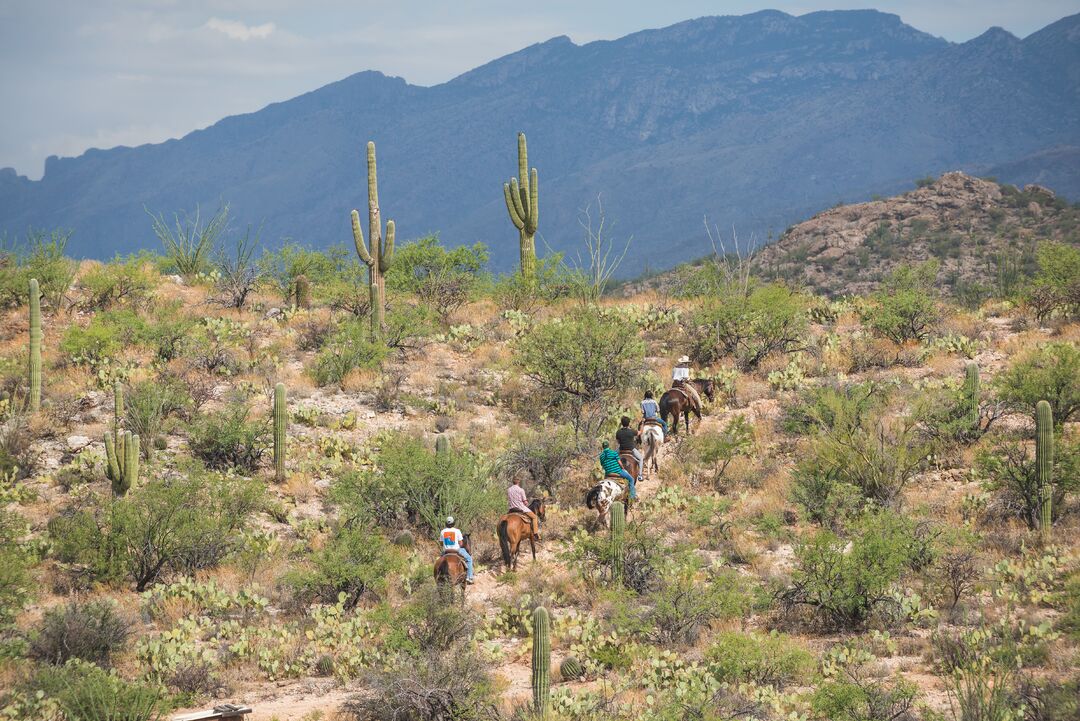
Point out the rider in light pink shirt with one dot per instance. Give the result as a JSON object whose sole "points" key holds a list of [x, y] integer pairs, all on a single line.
{"points": [[519, 502]]}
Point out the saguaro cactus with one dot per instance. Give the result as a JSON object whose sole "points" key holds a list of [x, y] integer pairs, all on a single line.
{"points": [[381, 252], [302, 292], [442, 445], [541, 660], [522, 203], [122, 457], [280, 419], [618, 527], [36, 336], [1044, 464], [971, 396], [118, 409]]}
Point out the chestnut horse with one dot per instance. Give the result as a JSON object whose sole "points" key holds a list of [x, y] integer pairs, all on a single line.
{"points": [[513, 528], [450, 571], [677, 401]]}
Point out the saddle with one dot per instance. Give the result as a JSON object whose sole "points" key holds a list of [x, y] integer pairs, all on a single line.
{"points": [[652, 422], [627, 454], [451, 552], [522, 514]]}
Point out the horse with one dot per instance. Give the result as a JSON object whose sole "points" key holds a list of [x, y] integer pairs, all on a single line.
{"points": [[630, 464], [601, 496], [513, 528], [678, 401], [652, 437], [450, 571]]}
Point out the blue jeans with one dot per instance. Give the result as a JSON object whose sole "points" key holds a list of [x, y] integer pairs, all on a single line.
{"points": [[468, 561], [630, 482]]}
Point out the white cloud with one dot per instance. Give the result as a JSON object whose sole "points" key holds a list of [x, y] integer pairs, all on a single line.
{"points": [[239, 31]]}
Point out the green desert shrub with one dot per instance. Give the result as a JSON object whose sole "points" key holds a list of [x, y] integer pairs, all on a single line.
{"points": [[353, 563], [688, 601], [128, 282], [85, 692], [1056, 287], [229, 439], [40, 256], [348, 349], [176, 526], [16, 579], [169, 332], [1050, 373], [543, 457], [582, 363], [748, 327], [91, 631], [515, 292], [861, 697], [845, 581], [442, 279], [148, 404], [322, 268], [772, 659], [413, 485], [409, 327], [906, 307], [1012, 476]]}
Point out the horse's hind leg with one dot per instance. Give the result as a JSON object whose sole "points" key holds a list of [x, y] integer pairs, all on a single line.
{"points": [[532, 544]]}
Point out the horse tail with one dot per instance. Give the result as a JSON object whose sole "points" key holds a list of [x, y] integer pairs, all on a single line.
{"points": [[592, 496], [442, 570], [504, 542], [665, 406]]}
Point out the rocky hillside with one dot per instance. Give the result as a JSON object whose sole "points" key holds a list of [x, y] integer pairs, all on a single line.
{"points": [[983, 233], [758, 121]]}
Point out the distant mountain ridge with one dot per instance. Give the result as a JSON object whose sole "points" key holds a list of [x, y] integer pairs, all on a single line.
{"points": [[757, 121]]}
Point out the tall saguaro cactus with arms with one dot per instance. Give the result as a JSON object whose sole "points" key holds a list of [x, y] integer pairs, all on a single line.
{"points": [[378, 252], [522, 203]]}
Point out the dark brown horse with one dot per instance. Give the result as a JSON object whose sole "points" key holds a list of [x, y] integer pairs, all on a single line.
{"points": [[450, 571], [677, 401], [630, 463], [513, 528]]}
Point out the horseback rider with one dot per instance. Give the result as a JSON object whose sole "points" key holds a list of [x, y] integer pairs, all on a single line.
{"points": [[609, 461], [650, 411], [627, 439], [453, 541], [680, 378], [519, 503]]}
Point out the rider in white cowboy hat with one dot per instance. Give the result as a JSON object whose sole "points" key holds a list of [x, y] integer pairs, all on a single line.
{"points": [[680, 377]]}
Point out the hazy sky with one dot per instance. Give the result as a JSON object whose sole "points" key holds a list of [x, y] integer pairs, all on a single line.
{"points": [[76, 74]]}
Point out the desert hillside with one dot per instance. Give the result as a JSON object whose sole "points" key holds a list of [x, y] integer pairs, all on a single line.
{"points": [[222, 483], [983, 234]]}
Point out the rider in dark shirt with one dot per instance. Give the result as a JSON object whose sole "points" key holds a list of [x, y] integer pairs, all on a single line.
{"points": [[626, 437]]}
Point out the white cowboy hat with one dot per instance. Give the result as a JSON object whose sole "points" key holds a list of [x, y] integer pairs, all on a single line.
{"points": [[684, 359]]}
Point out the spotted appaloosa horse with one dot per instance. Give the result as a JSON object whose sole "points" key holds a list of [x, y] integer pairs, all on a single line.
{"points": [[681, 401], [601, 496]]}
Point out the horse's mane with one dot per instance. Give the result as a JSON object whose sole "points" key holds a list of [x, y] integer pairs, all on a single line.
{"points": [[534, 505]]}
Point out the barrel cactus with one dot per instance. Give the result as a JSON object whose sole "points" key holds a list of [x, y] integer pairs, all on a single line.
{"points": [[571, 669], [522, 203], [618, 529], [377, 253], [280, 419], [36, 336], [1044, 464], [541, 659]]}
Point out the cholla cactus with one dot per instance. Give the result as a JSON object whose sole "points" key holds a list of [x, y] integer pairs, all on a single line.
{"points": [[36, 336], [522, 203], [1044, 464], [381, 252], [281, 418], [541, 660]]}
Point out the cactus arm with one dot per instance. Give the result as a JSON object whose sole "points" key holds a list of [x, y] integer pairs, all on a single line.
{"points": [[112, 468], [534, 202], [510, 208], [358, 239], [131, 468], [386, 257], [519, 208]]}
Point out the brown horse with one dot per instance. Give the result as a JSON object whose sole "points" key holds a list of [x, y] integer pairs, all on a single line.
{"points": [[450, 571], [513, 528], [630, 463], [677, 401]]}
